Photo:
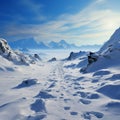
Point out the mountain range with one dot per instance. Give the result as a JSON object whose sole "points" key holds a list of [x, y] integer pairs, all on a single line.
{"points": [[32, 44], [27, 43]]}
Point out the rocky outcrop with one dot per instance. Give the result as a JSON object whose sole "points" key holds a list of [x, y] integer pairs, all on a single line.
{"points": [[92, 57], [16, 57], [4, 47], [76, 55]]}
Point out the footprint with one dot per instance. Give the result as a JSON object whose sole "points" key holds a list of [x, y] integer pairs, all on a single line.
{"points": [[97, 114], [82, 94], [85, 101], [93, 96], [74, 113], [76, 83], [67, 100], [87, 115], [44, 95], [75, 94], [95, 80], [38, 106], [66, 108], [89, 95]]}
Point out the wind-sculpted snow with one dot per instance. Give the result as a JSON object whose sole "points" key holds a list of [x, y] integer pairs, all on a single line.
{"points": [[100, 73], [112, 91], [113, 106], [114, 77], [27, 83]]}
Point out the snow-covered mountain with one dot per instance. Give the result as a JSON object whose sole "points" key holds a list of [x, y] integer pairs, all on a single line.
{"points": [[114, 40], [15, 56], [27, 43], [108, 56], [61, 45], [32, 44]]}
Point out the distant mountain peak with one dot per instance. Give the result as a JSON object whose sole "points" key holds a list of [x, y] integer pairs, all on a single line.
{"points": [[62, 44], [63, 41]]}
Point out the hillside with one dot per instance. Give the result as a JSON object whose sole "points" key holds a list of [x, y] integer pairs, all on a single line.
{"points": [[108, 56], [15, 57]]}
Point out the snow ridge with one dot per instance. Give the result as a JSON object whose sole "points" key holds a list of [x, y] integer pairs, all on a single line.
{"points": [[107, 56]]}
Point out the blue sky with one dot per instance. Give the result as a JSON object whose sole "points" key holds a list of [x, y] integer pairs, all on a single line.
{"points": [[76, 21]]}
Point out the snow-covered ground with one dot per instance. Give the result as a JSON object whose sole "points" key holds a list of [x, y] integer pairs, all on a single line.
{"points": [[48, 54], [53, 91], [84, 86]]}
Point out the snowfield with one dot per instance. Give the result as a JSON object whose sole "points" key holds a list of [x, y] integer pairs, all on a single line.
{"points": [[79, 86], [50, 91]]}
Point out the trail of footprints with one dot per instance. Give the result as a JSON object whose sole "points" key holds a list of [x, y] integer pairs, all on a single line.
{"points": [[85, 98], [40, 108], [39, 105]]}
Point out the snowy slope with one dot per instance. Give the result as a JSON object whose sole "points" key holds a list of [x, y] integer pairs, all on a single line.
{"points": [[108, 55], [114, 39], [50, 91], [15, 56]]}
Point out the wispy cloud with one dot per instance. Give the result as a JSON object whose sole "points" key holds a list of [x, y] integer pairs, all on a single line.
{"points": [[94, 24]]}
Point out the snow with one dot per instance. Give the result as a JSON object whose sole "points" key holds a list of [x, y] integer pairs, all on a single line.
{"points": [[57, 90], [108, 55], [114, 39], [112, 91]]}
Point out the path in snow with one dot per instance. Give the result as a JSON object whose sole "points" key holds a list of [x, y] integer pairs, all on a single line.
{"points": [[51, 91], [63, 97]]}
